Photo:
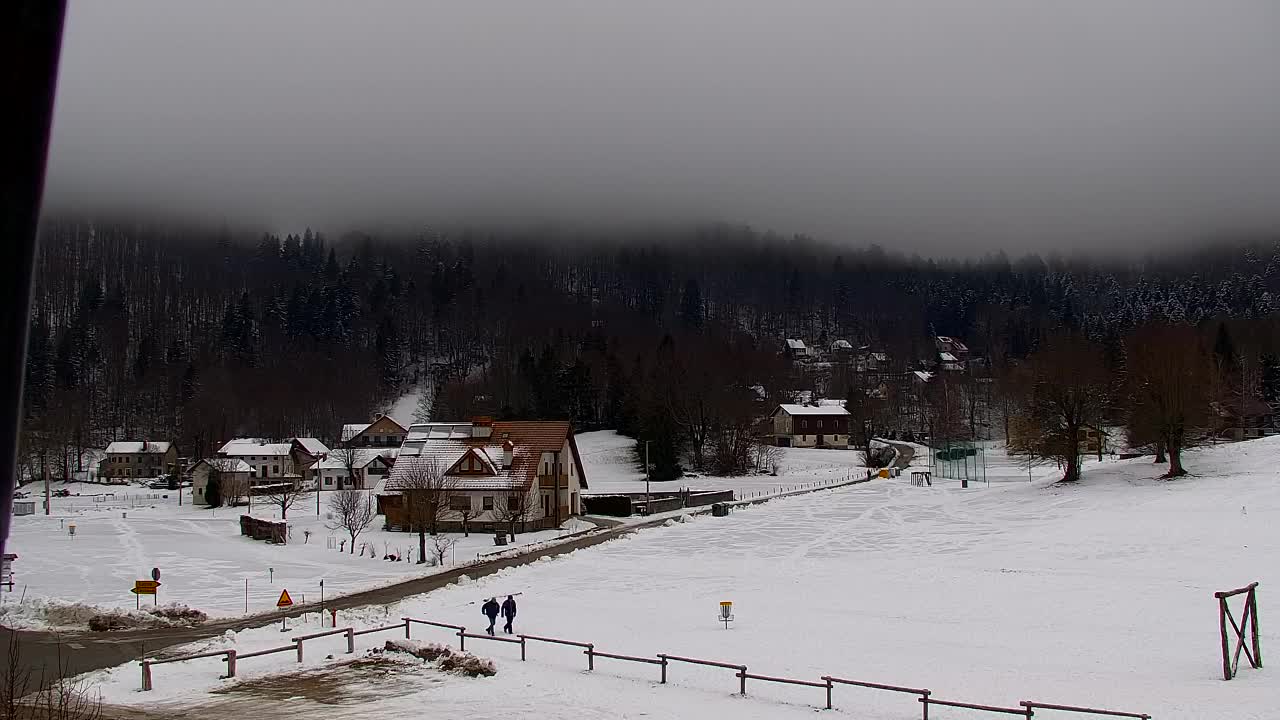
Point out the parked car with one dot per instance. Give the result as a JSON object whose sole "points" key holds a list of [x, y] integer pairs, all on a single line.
{"points": [[158, 484], [62, 493]]}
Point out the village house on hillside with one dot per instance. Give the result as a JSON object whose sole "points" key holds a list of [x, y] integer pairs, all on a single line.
{"points": [[230, 472], [269, 460], [382, 432], [497, 474], [361, 471], [810, 426], [128, 459]]}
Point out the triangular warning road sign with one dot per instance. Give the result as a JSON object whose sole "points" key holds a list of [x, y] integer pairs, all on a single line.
{"points": [[285, 600]]}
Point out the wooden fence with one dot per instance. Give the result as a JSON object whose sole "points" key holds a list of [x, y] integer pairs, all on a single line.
{"points": [[826, 683]]}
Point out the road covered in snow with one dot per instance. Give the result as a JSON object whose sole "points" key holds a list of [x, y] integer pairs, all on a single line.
{"points": [[1098, 593]]}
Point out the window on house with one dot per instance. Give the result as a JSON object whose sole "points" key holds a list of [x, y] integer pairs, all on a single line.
{"points": [[513, 503], [487, 502], [460, 503], [804, 424], [328, 481], [819, 424]]}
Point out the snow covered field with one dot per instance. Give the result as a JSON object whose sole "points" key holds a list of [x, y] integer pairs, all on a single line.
{"points": [[203, 559], [1098, 594], [609, 461]]}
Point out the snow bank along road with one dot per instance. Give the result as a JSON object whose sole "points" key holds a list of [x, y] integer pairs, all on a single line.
{"points": [[1100, 593]]}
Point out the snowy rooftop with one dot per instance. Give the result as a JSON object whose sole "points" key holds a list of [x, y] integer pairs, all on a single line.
{"points": [[948, 357], [923, 376], [795, 344], [444, 444], [241, 447], [334, 461], [351, 430], [841, 345], [135, 447], [812, 410], [312, 445], [227, 464]]}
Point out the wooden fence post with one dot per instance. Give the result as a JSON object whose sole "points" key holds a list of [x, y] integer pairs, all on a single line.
{"points": [[522, 648], [742, 675], [828, 679], [462, 638], [591, 656], [231, 663], [1253, 624], [406, 628], [351, 640], [1222, 626], [146, 675], [663, 658], [299, 644]]}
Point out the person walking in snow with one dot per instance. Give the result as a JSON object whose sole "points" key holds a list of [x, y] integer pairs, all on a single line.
{"points": [[490, 609], [509, 612]]}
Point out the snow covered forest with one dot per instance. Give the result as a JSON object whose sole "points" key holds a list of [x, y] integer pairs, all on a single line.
{"points": [[200, 334]]}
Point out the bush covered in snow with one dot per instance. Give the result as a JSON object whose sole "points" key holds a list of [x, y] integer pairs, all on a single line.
{"points": [[445, 657], [44, 613]]}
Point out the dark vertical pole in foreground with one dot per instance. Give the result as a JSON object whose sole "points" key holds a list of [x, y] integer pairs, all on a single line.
{"points": [[30, 40]]}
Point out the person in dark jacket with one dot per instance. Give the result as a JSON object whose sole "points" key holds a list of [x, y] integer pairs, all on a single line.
{"points": [[490, 609], [509, 612]]}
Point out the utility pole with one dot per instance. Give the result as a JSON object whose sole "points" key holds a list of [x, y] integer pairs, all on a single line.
{"points": [[48, 493], [646, 477]]}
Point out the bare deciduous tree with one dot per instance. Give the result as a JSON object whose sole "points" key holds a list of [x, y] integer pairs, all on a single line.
{"points": [[425, 487], [440, 547], [56, 695], [286, 492], [515, 510], [1068, 390], [353, 511], [1170, 380], [349, 458]]}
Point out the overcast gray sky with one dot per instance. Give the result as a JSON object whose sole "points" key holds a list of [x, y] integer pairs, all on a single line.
{"points": [[939, 126]]}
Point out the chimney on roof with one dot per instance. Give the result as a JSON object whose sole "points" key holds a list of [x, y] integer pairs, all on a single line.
{"points": [[508, 451]]}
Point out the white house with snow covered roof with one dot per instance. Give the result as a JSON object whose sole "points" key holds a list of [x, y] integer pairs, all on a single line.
{"points": [[128, 459], [360, 471], [230, 474], [816, 425], [271, 459], [526, 473], [382, 432]]}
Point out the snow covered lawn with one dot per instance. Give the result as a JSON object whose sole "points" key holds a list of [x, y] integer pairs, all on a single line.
{"points": [[203, 559], [609, 461], [1099, 594]]}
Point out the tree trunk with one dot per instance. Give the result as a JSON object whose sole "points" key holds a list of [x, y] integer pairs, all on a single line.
{"points": [[1175, 462], [1160, 453], [422, 545], [1072, 473], [353, 543]]}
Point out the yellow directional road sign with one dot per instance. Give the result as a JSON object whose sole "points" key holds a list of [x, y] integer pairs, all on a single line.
{"points": [[145, 587]]}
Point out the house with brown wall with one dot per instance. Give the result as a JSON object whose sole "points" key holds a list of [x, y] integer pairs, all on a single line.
{"points": [[489, 468]]}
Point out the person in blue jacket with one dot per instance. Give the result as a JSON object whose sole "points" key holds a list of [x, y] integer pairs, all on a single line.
{"points": [[490, 609], [509, 612]]}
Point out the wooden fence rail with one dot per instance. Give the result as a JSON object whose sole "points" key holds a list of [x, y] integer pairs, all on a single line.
{"points": [[741, 674], [1026, 708], [1086, 710], [922, 692], [1025, 712], [231, 656]]}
